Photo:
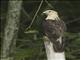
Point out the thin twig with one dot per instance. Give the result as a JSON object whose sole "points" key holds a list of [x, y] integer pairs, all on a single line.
{"points": [[35, 15], [73, 21], [23, 40], [26, 14], [49, 4]]}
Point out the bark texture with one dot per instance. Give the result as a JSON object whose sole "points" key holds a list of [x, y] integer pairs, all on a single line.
{"points": [[51, 54], [11, 29]]}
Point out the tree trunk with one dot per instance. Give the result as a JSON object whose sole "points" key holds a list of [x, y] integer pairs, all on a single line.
{"points": [[11, 29], [51, 54]]}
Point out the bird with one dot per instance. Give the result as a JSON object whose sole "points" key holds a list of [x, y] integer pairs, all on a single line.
{"points": [[54, 28]]}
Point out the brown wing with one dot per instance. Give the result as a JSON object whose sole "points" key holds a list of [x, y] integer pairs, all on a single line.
{"points": [[53, 30]]}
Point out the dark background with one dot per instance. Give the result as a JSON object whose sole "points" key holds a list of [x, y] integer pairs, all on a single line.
{"points": [[30, 45]]}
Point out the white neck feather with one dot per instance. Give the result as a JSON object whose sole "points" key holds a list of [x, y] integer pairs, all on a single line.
{"points": [[52, 17]]}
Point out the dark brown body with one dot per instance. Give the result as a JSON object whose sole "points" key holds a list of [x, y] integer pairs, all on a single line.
{"points": [[55, 29]]}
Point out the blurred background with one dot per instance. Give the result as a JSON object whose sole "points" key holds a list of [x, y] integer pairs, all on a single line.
{"points": [[30, 45]]}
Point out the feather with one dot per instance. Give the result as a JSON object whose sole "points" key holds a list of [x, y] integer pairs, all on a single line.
{"points": [[54, 29]]}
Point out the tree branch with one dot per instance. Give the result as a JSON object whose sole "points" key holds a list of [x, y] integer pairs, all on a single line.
{"points": [[35, 15]]}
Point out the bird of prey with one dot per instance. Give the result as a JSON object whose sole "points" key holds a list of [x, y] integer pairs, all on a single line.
{"points": [[54, 28]]}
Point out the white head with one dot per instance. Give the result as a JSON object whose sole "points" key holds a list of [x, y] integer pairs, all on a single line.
{"points": [[51, 14]]}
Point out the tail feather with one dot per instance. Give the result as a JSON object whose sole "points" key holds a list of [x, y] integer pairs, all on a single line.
{"points": [[58, 45]]}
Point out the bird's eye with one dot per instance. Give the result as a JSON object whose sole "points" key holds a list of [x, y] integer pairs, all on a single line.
{"points": [[49, 11]]}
